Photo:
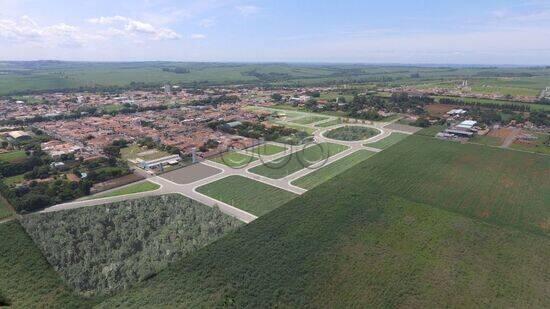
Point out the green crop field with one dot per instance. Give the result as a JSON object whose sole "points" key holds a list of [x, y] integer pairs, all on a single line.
{"points": [[234, 159], [131, 189], [533, 107], [427, 224], [309, 119], [13, 156], [249, 195], [267, 149], [330, 171], [28, 281], [389, 141], [294, 162]]}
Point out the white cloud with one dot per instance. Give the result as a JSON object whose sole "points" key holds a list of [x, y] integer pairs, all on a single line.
{"points": [[25, 29], [198, 36], [134, 28], [207, 22], [247, 10]]}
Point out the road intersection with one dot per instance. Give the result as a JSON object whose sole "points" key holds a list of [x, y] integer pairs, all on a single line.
{"points": [[169, 186]]}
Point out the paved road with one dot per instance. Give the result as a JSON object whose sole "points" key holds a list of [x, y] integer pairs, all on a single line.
{"points": [[170, 186]]}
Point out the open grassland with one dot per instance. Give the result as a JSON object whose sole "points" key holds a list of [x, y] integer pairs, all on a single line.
{"points": [[99, 250], [307, 130], [408, 228], [330, 171], [389, 141], [131, 189], [309, 119], [13, 156], [234, 159], [267, 149], [13, 180], [294, 162], [249, 195], [27, 280], [135, 151]]}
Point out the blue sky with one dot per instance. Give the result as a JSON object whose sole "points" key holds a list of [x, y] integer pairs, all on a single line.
{"points": [[455, 32]]}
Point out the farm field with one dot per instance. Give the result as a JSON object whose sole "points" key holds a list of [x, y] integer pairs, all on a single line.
{"points": [[533, 107], [249, 195], [131, 189], [27, 278], [294, 162], [389, 141], [234, 159], [267, 149], [309, 119], [332, 170], [398, 225], [13, 156]]}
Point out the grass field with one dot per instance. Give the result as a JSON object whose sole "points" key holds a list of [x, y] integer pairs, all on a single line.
{"points": [[298, 127], [5, 210], [234, 159], [427, 224], [389, 141], [13, 156], [135, 151], [330, 171], [329, 123], [28, 280], [131, 189], [267, 149], [294, 162], [533, 107], [13, 179], [309, 119], [431, 131], [249, 195]]}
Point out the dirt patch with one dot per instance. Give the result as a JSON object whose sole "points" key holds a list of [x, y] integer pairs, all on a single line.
{"points": [[191, 173], [439, 110], [502, 133]]}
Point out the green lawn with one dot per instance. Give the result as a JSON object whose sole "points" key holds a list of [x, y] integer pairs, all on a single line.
{"points": [[332, 170], [28, 281], [131, 189], [234, 159], [486, 140], [267, 149], [428, 224], [329, 123], [389, 141], [13, 156], [309, 119], [249, 195], [13, 180], [294, 162], [298, 127]]}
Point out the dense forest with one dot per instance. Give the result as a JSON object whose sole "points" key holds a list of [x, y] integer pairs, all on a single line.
{"points": [[100, 250]]}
